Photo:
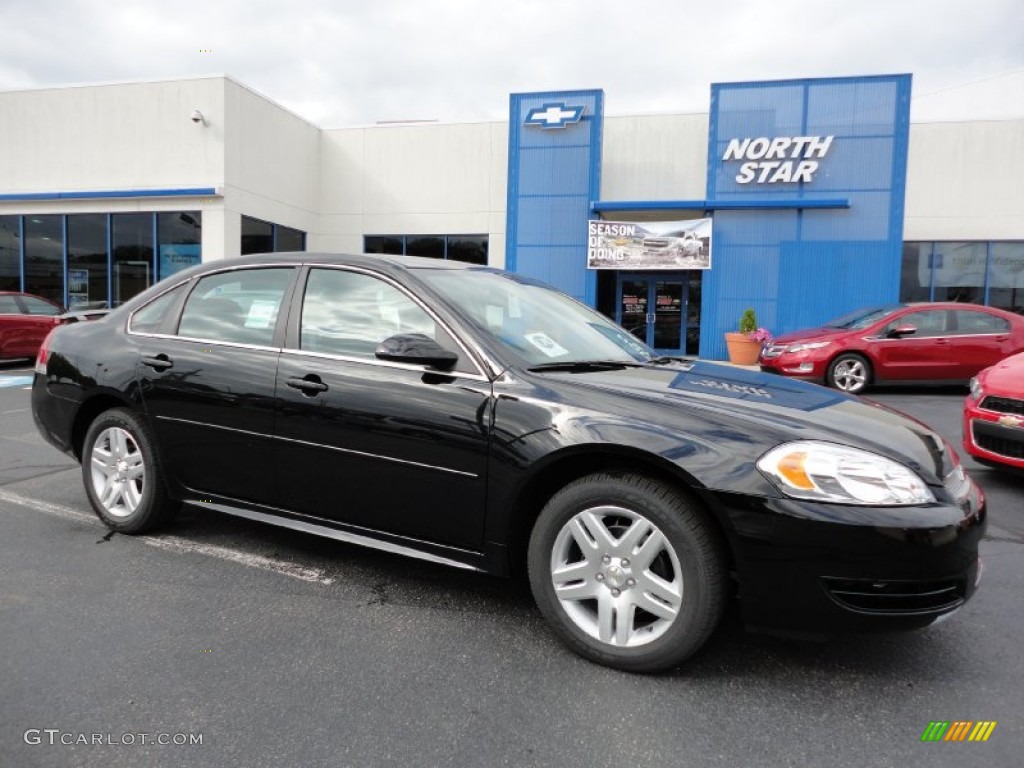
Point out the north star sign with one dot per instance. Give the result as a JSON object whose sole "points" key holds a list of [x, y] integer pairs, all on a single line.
{"points": [[554, 115], [783, 159]]}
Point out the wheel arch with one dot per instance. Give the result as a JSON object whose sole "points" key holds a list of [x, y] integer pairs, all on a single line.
{"points": [[557, 471], [87, 413]]}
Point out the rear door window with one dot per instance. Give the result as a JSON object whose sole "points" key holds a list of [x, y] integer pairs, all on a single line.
{"points": [[241, 306]]}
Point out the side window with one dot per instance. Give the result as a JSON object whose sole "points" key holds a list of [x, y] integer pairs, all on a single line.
{"points": [[241, 306], [150, 318], [928, 323], [39, 307], [972, 321], [350, 314], [8, 306]]}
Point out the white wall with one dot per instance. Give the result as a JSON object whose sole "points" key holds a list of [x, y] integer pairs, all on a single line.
{"points": [[964, 181], [107, 137], [413, 179], [655, 157], [272, 164]]}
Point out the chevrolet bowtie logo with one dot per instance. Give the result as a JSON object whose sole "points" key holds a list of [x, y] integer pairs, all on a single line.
{"points": [[1010, 421], [554, 115]]}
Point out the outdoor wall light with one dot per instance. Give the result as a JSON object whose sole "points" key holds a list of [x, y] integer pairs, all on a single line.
{"points": [[197, 117]]}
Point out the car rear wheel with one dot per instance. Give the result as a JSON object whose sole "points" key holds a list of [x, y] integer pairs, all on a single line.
{"points": [[850, 373], [630, 573], [121, 474]]}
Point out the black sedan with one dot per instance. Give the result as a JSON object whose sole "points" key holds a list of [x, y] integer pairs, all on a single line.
{"points": [[482, 420]]}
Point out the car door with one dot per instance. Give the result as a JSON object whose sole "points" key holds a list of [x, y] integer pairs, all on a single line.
{"points": [[386, 446], [208, 384], [919, 356], [979, 339]]}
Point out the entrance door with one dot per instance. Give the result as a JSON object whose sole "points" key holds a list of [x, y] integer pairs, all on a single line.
{"points": [[656, 309]]}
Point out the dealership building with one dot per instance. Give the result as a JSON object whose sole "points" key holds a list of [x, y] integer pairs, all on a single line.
{"points": [[802, 199]]}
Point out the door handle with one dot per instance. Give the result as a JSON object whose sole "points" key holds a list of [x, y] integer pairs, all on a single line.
{"points": [[159, 362], [309, 384]]}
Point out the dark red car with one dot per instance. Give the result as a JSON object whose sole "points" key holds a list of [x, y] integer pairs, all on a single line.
{"points": [[24, 322], [994, 414], [898, 343]]}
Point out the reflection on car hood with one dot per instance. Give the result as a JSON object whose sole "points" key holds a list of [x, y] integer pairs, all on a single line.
{"points": [[811, 334], [773, 409], [1006, 377]]}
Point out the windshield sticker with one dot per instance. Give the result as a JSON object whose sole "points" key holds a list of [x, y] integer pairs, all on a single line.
{"points": [[546, 344], [261, 312]]}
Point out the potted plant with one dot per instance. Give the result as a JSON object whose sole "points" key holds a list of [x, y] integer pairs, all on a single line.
{"points": [[745, 345]]}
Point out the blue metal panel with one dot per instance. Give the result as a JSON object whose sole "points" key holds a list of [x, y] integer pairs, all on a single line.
{"points": [[600, 206], [799, 268], [553, 175]]}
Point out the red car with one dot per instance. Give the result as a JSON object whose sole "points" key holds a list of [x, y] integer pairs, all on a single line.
{"points": [[24, 322], [994, 414], [898, 343]]}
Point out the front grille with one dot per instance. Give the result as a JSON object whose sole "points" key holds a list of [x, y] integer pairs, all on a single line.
{"points": [[1003, 405], [896, 597], [1003, 441]]}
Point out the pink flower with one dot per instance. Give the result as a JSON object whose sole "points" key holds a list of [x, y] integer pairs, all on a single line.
{"points": [[762, 335]]}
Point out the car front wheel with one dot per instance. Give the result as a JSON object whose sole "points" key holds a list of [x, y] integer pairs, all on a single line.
{"points": [[850, 373], [121, 474], [630, 573]]}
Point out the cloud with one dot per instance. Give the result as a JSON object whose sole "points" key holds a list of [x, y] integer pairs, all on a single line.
{"points": [[347, 63]]}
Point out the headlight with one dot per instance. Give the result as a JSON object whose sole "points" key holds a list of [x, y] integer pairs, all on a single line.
{"points": [[819, 471], [802, 346], [976, 390]]}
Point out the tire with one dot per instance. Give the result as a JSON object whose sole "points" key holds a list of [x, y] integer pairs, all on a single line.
{"points": [[640, 572], [849, 373], [122, 477]]}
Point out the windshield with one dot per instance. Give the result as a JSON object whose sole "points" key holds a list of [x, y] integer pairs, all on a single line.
{"points": [[862, 318], [536, 322]]}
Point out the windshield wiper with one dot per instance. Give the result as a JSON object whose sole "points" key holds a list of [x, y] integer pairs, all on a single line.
{"points": [[582, 366]]}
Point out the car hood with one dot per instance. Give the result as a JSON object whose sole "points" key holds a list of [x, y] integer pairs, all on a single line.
{"points": [[811, 334], [756, 411], [1005, 377]]}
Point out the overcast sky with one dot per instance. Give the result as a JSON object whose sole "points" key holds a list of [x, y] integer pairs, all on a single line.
{"points": [[347, 63]]}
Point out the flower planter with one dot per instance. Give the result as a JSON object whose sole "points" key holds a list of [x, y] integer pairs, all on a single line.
{"points": [[742, 350]]}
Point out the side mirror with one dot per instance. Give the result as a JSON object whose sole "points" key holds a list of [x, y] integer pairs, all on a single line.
{"points": [[416, 349], [902, 330]]}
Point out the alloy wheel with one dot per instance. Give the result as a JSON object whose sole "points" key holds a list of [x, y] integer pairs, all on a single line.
{"points": [[118, 472]]}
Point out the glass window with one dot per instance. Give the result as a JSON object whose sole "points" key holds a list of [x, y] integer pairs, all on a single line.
{"points": [[180, 239], [916, 272], [384, 244], [87, 260], [8, 306], [10, 253], [1006, 276], [151, 317], [288, 239], [430, 247], [930, 322], [959, 272], [131, 255], [44, 256], [240, 306], [468, 248], [350, 314], [974, 322], [257, 236], [34, 306]]}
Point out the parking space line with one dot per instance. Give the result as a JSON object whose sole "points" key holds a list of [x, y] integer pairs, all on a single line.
{"points": [[178, 544]]}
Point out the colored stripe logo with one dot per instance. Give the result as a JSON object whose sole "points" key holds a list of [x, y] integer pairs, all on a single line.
{"points": [[958, 730]]}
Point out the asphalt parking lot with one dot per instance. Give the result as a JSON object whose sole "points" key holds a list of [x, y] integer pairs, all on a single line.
{"points": [[278, 649]]}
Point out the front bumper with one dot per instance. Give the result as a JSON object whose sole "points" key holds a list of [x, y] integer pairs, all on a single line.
{"points": [[993, 437], [807, 365], [820, 569]]}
